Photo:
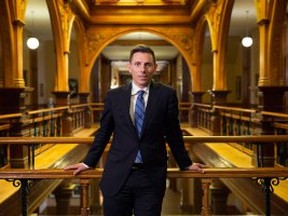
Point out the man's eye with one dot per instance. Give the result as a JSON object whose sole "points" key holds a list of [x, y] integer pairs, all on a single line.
{"points": [[148, 65]]}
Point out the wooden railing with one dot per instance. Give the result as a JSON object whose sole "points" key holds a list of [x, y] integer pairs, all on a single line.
{"points": [[48, 122], [6, 123], [64, 121], [240, 124], [263, 176], [235, 121], [184, 110], [45, 122]]}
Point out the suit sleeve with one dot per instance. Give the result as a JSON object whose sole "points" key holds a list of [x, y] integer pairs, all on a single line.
{"points": [[174, 134], [102, 136]]}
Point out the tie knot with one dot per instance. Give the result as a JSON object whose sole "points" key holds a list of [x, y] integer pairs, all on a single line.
{"points": [[140, 93]]}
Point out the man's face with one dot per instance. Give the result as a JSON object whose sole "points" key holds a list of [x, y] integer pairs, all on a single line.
{"points": [[142, 68]]}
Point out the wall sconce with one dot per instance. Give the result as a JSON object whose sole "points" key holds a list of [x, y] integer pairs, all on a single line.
{"points": [[32, 42], [247, 41]]}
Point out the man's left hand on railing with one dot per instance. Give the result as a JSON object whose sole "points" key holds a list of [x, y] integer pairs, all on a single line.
{"points": [[79, 167], [197, 167]]}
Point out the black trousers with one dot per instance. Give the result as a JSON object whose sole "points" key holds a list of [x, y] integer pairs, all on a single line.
{"points": [[138, 197]]}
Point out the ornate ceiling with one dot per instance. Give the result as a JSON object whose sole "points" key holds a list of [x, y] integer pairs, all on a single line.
{"points": [[142, 11], [132, 12]]}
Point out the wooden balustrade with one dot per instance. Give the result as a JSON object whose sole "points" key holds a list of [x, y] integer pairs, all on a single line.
{"points": [[235, 121], [241, 122], [6, 123], [24, 175], [30, 142], [172, 173]]}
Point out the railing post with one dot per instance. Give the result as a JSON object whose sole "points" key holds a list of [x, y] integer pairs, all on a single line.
{"points": [[206, 211], [88, 117], [193, 114], [218, 97], [24, 194], [67, 123], [31, 156], [267, 191], [267, 187], [24, 189], [83, 99], [85, 210]]}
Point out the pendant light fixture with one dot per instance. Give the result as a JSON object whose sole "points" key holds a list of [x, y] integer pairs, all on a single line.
{"points": [[32, 42], [247, 41]]}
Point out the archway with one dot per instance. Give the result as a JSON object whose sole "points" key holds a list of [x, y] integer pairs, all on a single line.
{"points": [[173, 69]]}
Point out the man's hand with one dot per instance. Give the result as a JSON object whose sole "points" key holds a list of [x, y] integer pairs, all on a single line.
{"points": [[197, 167], [79, 167]]}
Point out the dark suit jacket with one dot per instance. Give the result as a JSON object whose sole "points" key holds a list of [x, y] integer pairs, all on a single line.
{"points": [[160, 125]]}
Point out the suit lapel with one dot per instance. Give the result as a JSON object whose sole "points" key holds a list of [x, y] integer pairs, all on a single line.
{"points": [[126, 103], [152, 101]]}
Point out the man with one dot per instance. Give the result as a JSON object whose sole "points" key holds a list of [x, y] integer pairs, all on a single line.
{"points": [[134, 176]]}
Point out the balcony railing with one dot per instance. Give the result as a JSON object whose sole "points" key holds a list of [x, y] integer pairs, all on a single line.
{"points": [[236, 126], [265, 177], [235, 121]]}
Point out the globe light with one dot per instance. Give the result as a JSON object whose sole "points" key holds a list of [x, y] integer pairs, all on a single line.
{"points": [[247, 41], [32, 43]]}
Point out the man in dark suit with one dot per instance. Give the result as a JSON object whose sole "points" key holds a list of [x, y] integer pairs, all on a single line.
{"points": [[134, 177]]}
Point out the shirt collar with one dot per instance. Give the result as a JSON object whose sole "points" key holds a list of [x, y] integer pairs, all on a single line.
{"points": [[135, 89]]}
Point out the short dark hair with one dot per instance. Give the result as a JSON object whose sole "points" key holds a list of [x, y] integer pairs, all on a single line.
{"points": [[143, 49]]}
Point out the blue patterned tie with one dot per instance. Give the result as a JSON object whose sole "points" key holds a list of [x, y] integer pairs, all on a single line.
{"points": [[139, 117]]}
